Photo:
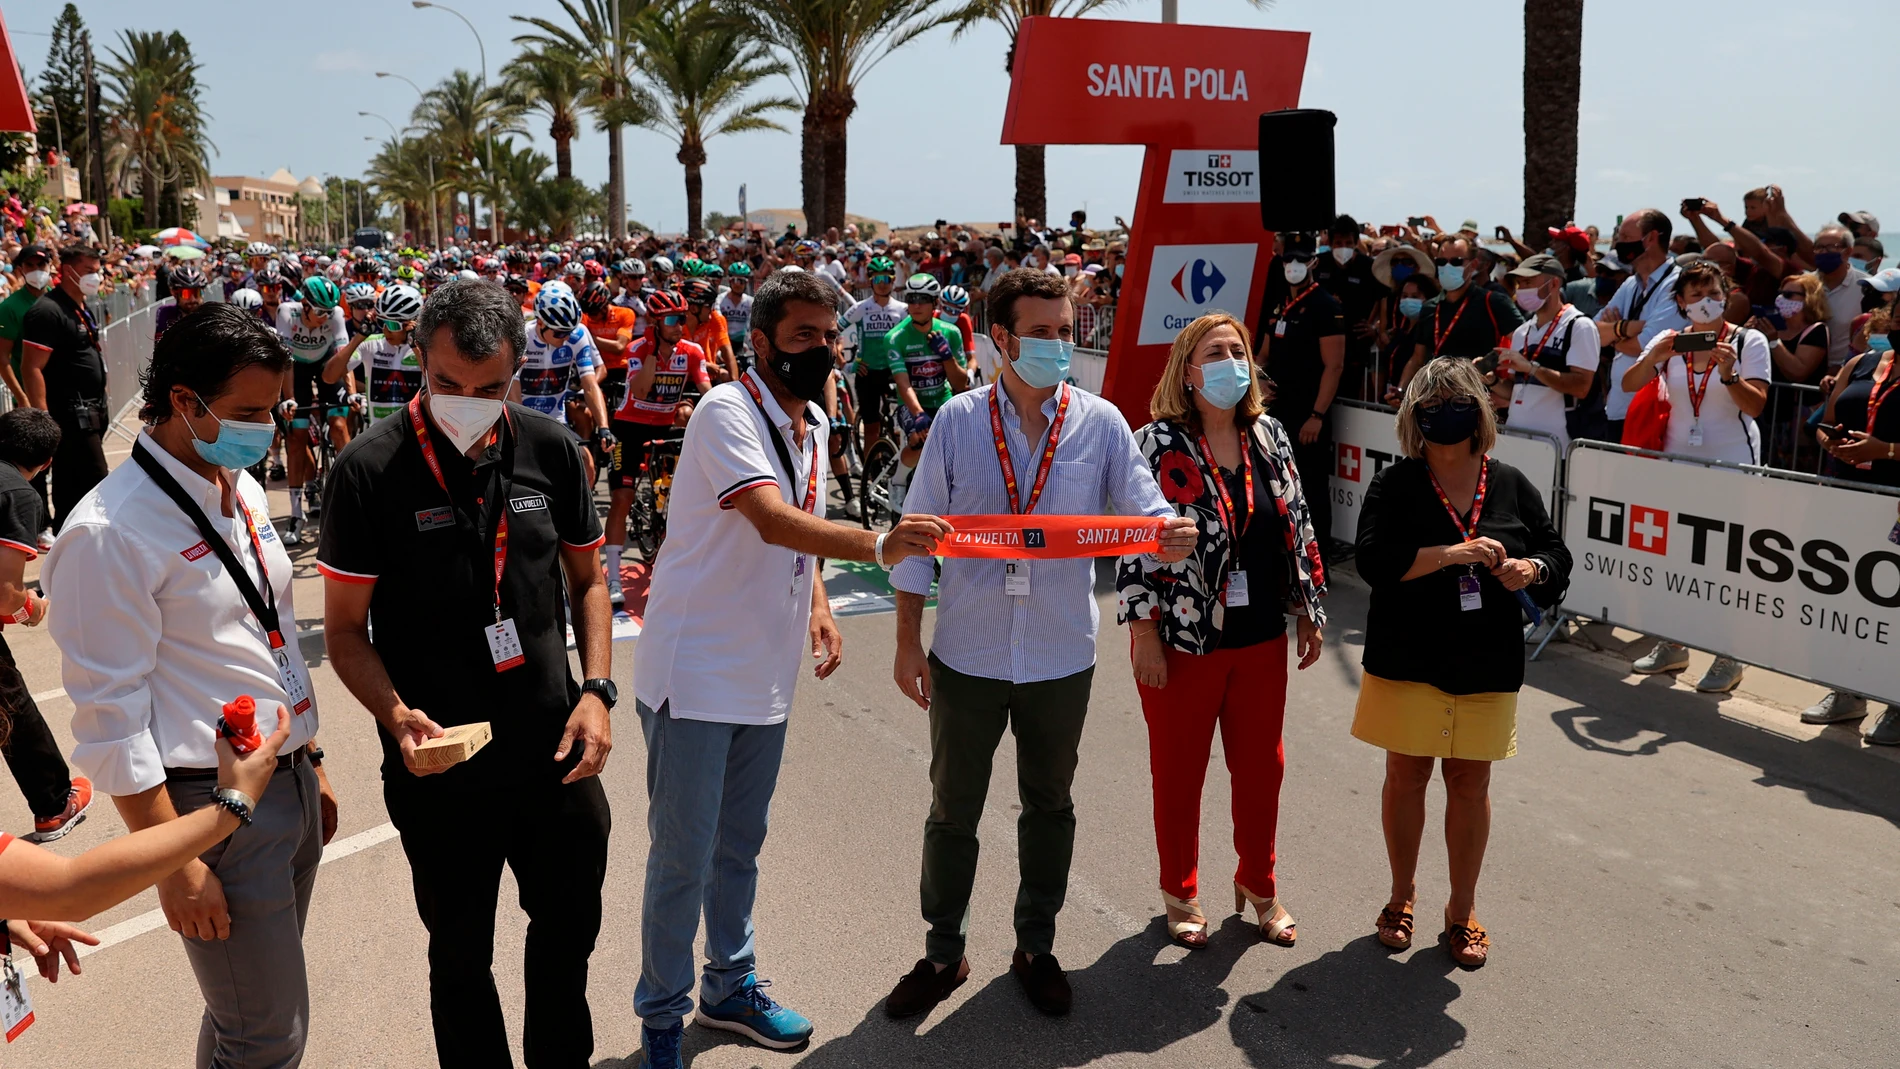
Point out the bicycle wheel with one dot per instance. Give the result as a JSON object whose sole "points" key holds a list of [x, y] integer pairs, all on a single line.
{"points": [[643, 518], [875, 484]]}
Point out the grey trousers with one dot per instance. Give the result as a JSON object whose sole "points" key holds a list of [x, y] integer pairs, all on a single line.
{"points": [[257, 998]]}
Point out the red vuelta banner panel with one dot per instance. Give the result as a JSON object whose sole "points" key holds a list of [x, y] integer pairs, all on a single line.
{"points": [[1107, 82], [1040, 537]]}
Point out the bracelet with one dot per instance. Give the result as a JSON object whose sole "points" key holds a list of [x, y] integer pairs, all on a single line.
{"points": [[239, 803], [1732, 382], [877, 550], [1543, 571], [1318, 415], [24, 613]]}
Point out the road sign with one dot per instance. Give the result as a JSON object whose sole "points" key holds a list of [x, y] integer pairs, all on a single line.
{"points": [[461, 232], [461, 220]]}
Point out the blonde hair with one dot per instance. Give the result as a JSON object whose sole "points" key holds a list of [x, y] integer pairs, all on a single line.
{"points": [[1448, 378], [1814, 297], [1170, 400]]}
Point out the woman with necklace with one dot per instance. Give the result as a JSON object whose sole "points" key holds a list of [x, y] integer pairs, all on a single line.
{"points": [[1209, 633], [1450, 540]]}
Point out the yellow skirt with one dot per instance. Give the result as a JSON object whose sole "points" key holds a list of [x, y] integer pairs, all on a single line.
{"points": [[1420, 720]]}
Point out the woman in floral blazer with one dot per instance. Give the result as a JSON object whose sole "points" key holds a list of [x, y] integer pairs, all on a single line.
{"points": [[1209, 633]]}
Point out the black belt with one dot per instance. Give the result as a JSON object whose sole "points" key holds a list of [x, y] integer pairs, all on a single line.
{"points": [[290, 760]]}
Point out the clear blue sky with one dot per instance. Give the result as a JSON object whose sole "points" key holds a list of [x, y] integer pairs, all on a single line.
{"points": [[1678, 100]]}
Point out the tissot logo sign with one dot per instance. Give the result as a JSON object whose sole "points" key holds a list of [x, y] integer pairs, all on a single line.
{"points": [[1213, 176], [1186, 282]]}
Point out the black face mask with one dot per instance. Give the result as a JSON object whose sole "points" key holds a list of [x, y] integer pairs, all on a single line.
{"points": [[804, 372], [1449, 423], [1628, 251]]}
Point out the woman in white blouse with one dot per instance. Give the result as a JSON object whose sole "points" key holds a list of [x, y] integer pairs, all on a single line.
{"points": [[1715, 396], [1717, 393]]}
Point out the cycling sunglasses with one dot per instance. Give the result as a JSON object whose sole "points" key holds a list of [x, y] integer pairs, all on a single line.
{"points": [[883, 278], [673, 321], [188, 294]]}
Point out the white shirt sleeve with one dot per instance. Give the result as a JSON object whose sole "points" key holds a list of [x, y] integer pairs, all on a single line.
{"points": [[722, 441], [1586, 342], [106, 623]]}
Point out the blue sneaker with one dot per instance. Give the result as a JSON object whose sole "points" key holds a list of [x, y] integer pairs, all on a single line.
{"points": [[660, 1048], [752, 1013]]}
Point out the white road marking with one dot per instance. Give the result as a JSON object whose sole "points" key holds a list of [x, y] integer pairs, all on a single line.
{"points": [[49, 695], [152, 920]]}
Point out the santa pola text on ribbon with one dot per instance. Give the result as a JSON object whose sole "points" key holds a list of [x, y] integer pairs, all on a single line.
{"points": [[1157, 82]]}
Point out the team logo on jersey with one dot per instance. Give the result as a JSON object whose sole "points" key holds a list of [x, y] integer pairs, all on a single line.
{"points": [[196, 552], [430, 519], [529, 503]]}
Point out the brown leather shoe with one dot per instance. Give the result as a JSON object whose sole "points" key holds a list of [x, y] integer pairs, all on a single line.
{"points": [[923, 987], [1043, 982]]}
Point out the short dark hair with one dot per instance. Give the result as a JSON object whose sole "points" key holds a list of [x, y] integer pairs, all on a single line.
{"points": [[203, 351], [1344, 224], [1698, 272], [480, 315], [1651, 221], [28, 437], [1022, 282], [783, 287]]}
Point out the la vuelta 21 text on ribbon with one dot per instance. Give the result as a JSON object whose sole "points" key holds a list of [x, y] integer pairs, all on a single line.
{"points": [[1050, 537]]}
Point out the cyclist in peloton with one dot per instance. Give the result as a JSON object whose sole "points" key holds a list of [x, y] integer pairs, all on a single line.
{"points": [[314, 328], [388, 358], [706, 328], [360, 299], [865, 324], [735, 304], [562, 365], [660, 368], [924, 356], [954, 309], [612, 327], [188, 292], [661, 275]]}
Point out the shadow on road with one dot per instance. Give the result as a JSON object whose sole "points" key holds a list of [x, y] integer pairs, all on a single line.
{"points": [[1355, 1005]]}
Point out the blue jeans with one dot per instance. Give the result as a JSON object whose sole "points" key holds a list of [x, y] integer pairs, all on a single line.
{"points": [[709, 791]]}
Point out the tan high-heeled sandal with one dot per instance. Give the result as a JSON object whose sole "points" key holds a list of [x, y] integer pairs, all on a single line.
{"points": [[1276, 924], [1192, 932]]}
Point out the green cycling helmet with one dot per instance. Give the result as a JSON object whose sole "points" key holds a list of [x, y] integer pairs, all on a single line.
{"points": [[882, 265], [408, 275], [740, 270], [321, 293]]}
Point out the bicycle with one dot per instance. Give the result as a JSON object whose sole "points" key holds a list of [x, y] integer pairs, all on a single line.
{"points": [[646, 518], [879, 462]]}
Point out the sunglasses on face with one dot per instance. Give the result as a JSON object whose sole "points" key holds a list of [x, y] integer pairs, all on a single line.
{"points": [[1449, 261], [1460, 404], [189, 294], [672, 321], [1794, 295], [392, 326], [881, 279]]}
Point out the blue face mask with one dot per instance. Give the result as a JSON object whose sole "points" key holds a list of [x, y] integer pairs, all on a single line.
{"points": [[238, 445], [1857, 263], [1118, 270], [1878, 343], [1225, 382], [1451, 276], [1042, 362], [1410, 307], [1402, 271]]}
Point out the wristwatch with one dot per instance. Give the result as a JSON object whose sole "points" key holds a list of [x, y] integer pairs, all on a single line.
{"points": [[315, 753], [1731, 382], [604, 688]]}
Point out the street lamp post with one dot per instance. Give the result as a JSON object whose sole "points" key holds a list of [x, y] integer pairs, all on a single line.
{"points": [[482, 49]]}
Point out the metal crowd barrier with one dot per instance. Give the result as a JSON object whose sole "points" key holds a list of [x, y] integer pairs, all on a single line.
{"points": [[126, 346]]}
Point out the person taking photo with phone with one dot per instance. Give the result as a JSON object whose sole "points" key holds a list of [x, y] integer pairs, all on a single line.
{"points": [[1550, 360], [1716, 375]]}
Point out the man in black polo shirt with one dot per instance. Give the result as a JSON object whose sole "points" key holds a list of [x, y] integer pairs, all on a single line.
{"points": [[1469, 319], [454, 527], [1303, 347], [63, 365], [1346, 273]]}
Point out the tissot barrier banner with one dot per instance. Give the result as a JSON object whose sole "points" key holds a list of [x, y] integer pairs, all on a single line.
{"points": [[1797, 577], [1366, 440]]}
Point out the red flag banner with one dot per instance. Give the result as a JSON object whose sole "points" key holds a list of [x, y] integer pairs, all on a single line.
{"points": [[1050, 537]]}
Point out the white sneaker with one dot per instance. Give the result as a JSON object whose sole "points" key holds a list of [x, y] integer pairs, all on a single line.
{"points": [[853, 508], [1723, 676], [294, 535], [615, 595], [1666, 657]]}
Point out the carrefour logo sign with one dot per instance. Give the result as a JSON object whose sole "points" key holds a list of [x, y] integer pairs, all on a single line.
{"points": [[1186, 282], [1212, 176]]}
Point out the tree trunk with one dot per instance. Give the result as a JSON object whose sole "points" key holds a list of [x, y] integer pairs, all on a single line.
{"points": [[811, 160], [564, 158], [837, 108], [1553, 73], [616, 187], [695, 198], [1032, 186]]}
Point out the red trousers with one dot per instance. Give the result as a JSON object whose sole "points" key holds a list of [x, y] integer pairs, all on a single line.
{"points": [[1244, 691]]}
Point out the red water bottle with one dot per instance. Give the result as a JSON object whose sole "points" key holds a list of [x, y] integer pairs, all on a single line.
{"points": [[239, 724]]}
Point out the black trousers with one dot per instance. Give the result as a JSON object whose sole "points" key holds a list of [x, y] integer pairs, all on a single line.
{"points": [[78, 465], [1315, 463], [458, 831], [46, 510], [32, 755]]}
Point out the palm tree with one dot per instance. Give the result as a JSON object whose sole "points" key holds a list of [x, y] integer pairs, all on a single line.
{"points": [[157, 122], [554, 209], [604, 57], [549, 81], [463, 117], [698, 69], [832, 45], [516, 170], [400, 175], [1553, 75]]}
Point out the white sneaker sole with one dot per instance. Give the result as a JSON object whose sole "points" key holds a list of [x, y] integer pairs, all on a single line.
{"points": [[39, 838], [736, 1026]]}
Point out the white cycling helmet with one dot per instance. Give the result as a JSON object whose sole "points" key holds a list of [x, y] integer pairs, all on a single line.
{"points": [[399, 303], [247, 299], [258, 248], [556, 307], [920, 287], [956, 298], [662, 265], [466, 273]]}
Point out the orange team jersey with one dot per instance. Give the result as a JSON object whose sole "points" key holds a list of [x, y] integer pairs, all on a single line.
{"points": [[686, 362], [711, 335], [617, 324]]}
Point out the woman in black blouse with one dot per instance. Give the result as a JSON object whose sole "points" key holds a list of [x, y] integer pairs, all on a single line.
{"points": [[1209, 632], [1449, 539]]}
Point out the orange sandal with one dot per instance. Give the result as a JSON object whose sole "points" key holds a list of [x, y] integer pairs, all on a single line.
{"points": [[1399, 921], [1469, 943]]}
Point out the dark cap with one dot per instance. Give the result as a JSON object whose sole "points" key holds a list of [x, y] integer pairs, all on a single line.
{"points": [[1542, 263], [1301, 244], [34, 252]]}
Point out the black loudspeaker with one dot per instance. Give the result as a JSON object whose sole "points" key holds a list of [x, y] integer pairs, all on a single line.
{"points": [[1296, 169]]}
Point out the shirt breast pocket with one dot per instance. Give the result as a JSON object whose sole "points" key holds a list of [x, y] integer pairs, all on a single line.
{"points": [[1074, 489]]}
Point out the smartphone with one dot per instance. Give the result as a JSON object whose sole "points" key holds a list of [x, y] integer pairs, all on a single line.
{"points": [[1488, 363], [1415, 221], [1389, 231], [1692, 205], [1694, 341], [1767, 311], [1832, 430], [1503, 233]]}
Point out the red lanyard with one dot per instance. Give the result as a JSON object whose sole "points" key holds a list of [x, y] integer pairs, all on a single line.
{"points": [[1533, 354], [1878, 396], [1477, 500], [1220, 485], [1287, 308], [263, 573], [1048, 451], [1439, 336], [435, 469], [791, 477], [1697, 393]]}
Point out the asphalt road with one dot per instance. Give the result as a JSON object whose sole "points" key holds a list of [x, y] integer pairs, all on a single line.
{"points": [[1672, 881]]}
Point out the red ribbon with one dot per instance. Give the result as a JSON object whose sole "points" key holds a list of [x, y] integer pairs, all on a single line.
{"points": [[1016, 537]]}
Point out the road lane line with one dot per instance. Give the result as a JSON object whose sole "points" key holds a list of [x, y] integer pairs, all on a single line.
{"points": [[152, 920], [49, 695]]}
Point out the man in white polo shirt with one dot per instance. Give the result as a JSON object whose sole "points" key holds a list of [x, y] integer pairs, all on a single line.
{"points": [[1552, 357], [735, 606]]}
